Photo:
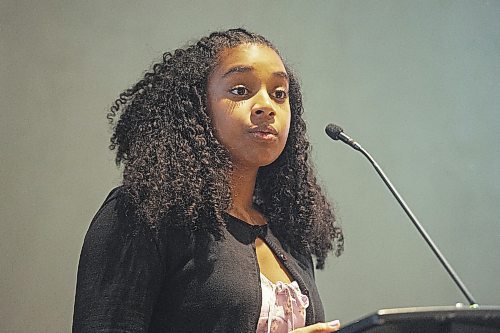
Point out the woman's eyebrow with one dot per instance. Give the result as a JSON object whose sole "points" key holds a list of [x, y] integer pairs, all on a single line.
{"points": [[246, 69], [238, 69], [281, 74]]}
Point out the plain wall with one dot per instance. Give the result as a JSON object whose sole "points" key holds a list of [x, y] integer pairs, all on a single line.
{"points": [[415, 82]]}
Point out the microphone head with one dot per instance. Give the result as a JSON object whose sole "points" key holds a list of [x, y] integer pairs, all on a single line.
{"points": [[333, 131]]}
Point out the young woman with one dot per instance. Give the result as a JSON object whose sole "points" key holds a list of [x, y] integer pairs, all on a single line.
{"points": [[220, 213]]}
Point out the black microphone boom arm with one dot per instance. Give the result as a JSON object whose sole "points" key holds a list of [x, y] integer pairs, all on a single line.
{"points": [[336, 133]]}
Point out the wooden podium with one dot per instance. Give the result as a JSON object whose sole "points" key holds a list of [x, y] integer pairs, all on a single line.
{"points": [[448, 319]]}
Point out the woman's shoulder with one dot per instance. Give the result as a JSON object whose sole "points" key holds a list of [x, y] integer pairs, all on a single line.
{"points": [[120, 269], [115, 200], [116, 220], [118, 223], [114, 194]]}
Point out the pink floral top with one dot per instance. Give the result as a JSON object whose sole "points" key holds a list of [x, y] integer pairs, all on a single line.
{"points": [[283, 307]]}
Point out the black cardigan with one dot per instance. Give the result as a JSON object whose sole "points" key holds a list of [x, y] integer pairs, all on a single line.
{"points": [[130, 280]]}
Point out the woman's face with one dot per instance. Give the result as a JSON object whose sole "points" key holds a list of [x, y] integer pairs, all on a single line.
{"points": [[249, 105]]}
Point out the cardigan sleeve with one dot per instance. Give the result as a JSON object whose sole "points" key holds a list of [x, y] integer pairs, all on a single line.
{"points": [[120, 274]]}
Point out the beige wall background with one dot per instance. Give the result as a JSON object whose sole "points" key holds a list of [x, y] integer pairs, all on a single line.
{"points": [[415, 82]]}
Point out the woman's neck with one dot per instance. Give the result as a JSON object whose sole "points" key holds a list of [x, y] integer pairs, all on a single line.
{"points": [[242, 189]]}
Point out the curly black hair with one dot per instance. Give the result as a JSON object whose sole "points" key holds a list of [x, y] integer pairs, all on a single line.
{"points": [[176, 171]]}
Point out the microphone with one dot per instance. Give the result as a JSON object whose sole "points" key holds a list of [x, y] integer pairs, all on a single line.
{"points": [[337, 133]]}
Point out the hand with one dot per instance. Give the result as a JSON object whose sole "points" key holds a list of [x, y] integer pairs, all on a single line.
{"points": [[331, 326]]}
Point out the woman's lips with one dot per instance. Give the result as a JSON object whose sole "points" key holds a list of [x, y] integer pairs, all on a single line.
{"points": [[266, 133], [264, 136]]}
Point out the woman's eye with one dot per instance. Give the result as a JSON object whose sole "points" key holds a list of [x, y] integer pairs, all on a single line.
{"points": [[239, 90], [280, 94]]}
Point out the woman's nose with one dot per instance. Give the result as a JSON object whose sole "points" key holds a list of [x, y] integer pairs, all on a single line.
{"points": [[263, 106]]}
